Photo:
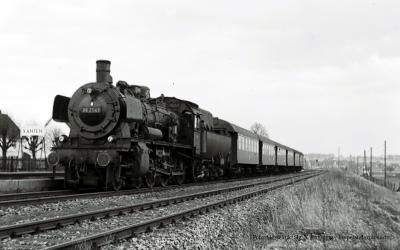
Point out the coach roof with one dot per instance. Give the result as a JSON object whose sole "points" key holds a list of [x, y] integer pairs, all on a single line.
{"points": [[222, 124]]}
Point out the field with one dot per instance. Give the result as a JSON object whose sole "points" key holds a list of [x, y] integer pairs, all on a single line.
{"points": [[336, 211], [393, 178]]}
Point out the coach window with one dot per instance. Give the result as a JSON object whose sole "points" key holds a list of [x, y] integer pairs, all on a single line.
{"points": [[251, 145]]}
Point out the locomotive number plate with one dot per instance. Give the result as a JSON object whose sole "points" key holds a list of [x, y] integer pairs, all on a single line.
{"points": [[91, 110]]}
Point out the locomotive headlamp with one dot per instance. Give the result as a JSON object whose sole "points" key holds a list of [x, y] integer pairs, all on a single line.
{"points": [[111, 138], [89, 90], [62, 138]]}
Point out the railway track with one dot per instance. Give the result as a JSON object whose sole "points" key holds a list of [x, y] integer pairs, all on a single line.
{"points": [[30, 198], [128, 231], [31, 195]]}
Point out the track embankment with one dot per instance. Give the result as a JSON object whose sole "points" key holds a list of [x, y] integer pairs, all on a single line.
{"points": [[337, 210]]}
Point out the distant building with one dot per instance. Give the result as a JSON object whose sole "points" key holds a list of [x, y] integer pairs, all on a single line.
{"points": [[8, 128]]}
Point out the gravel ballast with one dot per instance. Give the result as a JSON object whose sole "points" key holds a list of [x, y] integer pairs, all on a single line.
{"points": [[91, 227], [37, 212]]}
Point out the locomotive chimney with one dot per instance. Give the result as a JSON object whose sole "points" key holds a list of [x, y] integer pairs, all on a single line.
{"points": [[103, 71]]}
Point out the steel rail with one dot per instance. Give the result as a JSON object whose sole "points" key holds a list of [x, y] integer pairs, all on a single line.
{"points": [[30, 195], [47, 196], [104, 238], [53, 223]]}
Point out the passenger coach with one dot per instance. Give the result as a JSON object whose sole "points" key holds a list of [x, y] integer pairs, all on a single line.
{"points": [[253, 152]]}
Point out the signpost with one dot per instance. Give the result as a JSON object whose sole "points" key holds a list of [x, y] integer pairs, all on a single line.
{"points": [[32, 131]]}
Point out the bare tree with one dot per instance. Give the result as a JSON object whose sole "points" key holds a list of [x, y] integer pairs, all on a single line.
{"points": [[259, 129], [52, 135], [9, 133], [34, 145]]}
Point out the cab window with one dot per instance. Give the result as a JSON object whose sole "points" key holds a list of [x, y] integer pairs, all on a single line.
{"points": [[196, 122]]}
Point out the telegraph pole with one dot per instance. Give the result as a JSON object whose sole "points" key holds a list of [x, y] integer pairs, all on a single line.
{"points": [[384, 160], [370, 163], [357, 164], [351, 164], [338, 158], [365, 162]]}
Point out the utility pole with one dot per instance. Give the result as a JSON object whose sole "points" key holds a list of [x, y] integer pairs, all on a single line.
{"points": [[370, 163], [338, 158], [365, 163], [384, 160], [352, 165], [357, 166]]}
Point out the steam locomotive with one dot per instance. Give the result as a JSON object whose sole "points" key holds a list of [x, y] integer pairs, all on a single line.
{"points": [[121, 137]]}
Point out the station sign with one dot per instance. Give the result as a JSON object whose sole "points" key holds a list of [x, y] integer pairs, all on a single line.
{"points": [[29, 131]]}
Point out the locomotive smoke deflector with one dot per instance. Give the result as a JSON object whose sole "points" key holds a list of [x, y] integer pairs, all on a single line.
{"points": [[103, 71], [60, 109]]}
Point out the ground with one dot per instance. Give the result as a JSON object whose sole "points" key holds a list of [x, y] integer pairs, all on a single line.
{"points": [[338, 210]]}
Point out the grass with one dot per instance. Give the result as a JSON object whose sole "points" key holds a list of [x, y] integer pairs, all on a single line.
{"points": [[335, 211]]}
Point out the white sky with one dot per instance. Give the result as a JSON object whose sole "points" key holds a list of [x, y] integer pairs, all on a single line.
{"points": [[318, 74]]}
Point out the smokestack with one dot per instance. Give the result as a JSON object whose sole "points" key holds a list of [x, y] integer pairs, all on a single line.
{"points": [[103, 71]]}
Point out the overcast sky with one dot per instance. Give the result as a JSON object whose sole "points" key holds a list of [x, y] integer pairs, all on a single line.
{"points": [[317, 74]]}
